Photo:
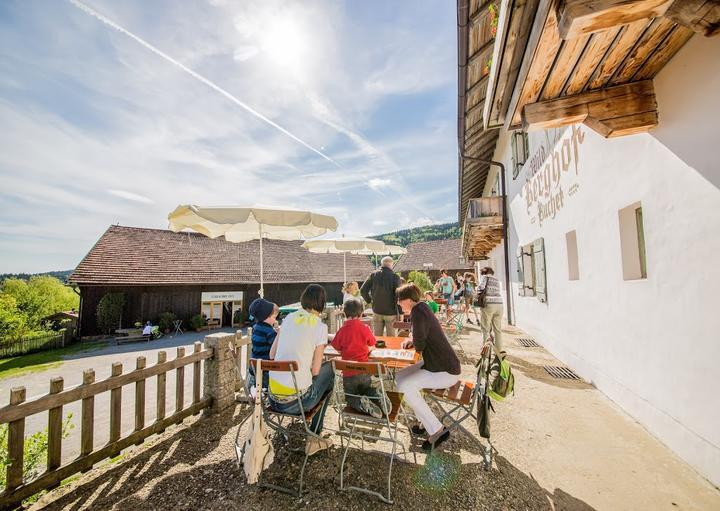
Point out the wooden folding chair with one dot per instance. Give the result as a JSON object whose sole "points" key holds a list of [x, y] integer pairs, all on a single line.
{"points": [[277, 421], [464, 399], [402, 328], [356, 425]]}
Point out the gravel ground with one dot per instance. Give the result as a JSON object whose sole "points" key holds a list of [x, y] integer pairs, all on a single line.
{"points": [[193, 467]]}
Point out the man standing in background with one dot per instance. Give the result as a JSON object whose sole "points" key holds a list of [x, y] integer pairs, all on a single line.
{"points": [[379, 288]]}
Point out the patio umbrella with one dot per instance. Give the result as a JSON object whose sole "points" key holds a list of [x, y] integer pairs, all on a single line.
{"points": [[364, 246], [390, 250], [240, 224]]}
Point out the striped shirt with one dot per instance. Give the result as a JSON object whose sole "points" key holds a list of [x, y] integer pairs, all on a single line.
{"points": [[493, 294]]}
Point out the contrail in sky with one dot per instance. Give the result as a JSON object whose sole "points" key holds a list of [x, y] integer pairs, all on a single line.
{"points": [[197, 76]]}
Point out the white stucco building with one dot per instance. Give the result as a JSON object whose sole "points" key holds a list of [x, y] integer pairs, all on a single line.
{"points": [[613, 243]]}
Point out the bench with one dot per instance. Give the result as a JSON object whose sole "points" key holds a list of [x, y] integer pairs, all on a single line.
{"points": [[132, 338]]}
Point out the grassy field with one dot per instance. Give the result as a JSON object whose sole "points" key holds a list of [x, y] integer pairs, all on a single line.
{"points": [[44, 360]]}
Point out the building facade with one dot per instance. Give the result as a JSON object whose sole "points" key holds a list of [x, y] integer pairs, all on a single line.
{"points": [[610, 246]]}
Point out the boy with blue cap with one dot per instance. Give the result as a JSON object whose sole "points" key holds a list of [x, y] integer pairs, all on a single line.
{"points": [[264, 314]]}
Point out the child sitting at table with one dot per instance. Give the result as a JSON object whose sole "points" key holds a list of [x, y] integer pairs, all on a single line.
{"points": [[264, 314], [430, 300], [354, 341]]}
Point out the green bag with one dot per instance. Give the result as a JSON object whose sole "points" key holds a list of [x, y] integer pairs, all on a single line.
{"points": [[502, 381]]}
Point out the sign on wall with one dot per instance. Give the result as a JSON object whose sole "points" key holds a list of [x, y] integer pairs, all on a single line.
{"points": [[553, 177], [222, 296]]}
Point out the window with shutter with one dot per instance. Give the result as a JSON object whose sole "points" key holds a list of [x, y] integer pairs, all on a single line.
{"points": [[521, 279], [538, 249], [528, 270]]}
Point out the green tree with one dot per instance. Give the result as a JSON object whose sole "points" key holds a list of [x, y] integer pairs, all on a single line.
{"points": [[109, 311], [24, 304], [421, 280]]}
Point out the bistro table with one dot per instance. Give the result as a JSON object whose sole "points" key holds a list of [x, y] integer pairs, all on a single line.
{"points": [[407, 358]]}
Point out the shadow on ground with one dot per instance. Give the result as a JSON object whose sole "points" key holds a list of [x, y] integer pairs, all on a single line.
{"points": [[195, 469]]}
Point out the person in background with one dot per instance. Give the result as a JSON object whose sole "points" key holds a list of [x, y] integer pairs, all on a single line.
{"points": [[459, 287], [351, 290], [447, 286], [303, 339], [354, 341], [469, 297], [379, 289], [439, 368], [264, 315], [430, 300], [147, 330], [492, 314]]}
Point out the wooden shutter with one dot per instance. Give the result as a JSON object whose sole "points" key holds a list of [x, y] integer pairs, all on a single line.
{"points": [[521, 280], [528, 270], [538, 248]]}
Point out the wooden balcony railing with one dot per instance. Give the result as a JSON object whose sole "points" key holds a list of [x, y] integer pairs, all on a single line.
{"points": [[483, 227]]}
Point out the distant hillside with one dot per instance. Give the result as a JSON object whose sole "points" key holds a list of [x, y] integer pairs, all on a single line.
{"points": [[62, 276], [424, 233]]}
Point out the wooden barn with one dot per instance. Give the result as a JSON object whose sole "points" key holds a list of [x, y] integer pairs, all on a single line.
{"points": [[432, 257], [188, 274]]}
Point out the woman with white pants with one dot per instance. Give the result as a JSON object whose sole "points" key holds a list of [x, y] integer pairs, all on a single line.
{"points": [[439, 368]]}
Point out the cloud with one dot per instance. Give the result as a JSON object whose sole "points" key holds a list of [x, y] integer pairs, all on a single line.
{"points": [[243, 53], [376, 183], [134, 197]]}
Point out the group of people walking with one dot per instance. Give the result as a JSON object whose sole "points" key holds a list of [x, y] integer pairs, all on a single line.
{"points": [[304, 338]]}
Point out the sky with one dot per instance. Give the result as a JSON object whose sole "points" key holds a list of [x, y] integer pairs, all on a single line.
{"points": [[115, 112]]}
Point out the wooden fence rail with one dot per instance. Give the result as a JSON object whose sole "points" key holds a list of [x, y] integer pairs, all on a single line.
{"points": [[50, 341], [19, 408]]}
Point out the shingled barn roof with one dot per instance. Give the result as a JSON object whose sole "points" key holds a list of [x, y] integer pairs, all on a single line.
{"points": [[443, 254], [139, 256]]}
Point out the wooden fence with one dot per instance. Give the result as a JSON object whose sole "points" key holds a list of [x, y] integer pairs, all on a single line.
{"points": [[15, 413], [22, 346]]}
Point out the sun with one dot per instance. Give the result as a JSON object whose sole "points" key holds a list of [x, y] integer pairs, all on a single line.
{"points": [[286, 44]]}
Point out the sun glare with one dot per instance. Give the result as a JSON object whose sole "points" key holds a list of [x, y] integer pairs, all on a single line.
{"points": [[286, 45]]}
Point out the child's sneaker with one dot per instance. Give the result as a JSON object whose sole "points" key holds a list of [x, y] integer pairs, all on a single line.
{"points": [[370, 408]]}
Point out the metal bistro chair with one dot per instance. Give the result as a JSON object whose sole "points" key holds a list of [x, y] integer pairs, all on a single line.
{"points": [[281, 422], [464, 399], [453, 327], [356, 425]]}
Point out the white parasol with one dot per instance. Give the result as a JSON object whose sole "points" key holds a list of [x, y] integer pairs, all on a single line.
{"points": [[239, 224], [344, 246]]}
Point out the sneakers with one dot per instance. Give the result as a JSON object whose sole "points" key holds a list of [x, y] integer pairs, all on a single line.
{"points": [[433, 443], [370, 408], [314, 445]]}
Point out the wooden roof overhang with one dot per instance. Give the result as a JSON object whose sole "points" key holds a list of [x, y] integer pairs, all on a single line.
{"points": [[476, 35], [590, 61], [538, 64]]}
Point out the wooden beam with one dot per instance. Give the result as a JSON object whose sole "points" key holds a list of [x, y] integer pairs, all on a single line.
{"points": [[582, 17], [612, 112], [664, 52], [701, 16]]}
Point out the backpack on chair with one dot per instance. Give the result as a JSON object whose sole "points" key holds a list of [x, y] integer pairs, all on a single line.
{"points": [[501, 381]]}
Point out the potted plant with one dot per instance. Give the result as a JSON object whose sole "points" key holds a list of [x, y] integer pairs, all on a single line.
{"points": [[198, 322], [165, 321]]}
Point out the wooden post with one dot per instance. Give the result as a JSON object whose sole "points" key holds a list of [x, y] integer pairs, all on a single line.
{"points": [[161, 379], [140, 398], [87, 421], [16, 443], [180, 382], [55, 420], [115, 405], [196, 374]]}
